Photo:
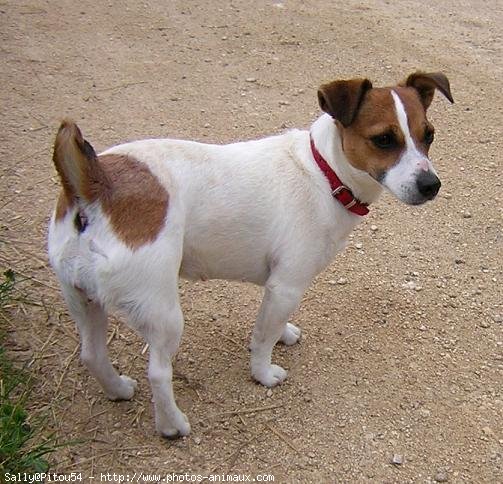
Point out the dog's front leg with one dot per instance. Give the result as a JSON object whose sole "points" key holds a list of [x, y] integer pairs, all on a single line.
{"points": [[280, 300]]}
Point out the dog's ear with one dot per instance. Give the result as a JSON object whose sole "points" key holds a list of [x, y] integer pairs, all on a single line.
{"points": [[341, 99], [426, 82]]}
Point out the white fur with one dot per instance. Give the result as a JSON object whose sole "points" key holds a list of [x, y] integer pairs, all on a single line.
{"points": [[258, 211], [401, 179]]}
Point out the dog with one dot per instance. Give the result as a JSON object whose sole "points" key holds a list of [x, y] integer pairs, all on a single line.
{"points": [[274, 212]]}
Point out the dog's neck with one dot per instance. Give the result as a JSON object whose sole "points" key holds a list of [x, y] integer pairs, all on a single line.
{"points": [[328, 142]]}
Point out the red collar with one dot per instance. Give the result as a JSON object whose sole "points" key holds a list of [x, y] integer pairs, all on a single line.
{"points": [[339, 190]]}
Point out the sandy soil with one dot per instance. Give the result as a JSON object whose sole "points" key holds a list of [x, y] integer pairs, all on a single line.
{"points": [[405, 359]]}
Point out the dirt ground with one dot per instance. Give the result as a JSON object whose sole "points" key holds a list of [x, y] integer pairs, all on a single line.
{"points": [[402, 361]]}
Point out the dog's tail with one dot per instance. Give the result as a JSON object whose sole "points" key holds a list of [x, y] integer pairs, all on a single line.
{"points": [[82, 177]]}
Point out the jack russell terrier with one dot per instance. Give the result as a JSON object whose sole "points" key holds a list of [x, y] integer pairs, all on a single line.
{"points": [[130, 221]]}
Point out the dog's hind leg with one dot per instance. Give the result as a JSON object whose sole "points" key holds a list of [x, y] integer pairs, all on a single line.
{"points": [[161, 325], [92, 323], [280, 300]]}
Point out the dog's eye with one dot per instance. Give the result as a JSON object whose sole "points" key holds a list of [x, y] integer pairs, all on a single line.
{"points": [[384, 141], [429, 136]]}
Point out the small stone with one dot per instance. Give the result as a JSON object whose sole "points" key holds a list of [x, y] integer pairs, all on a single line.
{"points": [[374, 228], [497, 318], [459, 261], [358, 245], [251, 79], [284, 103], [441, 476], [213, 317], [311, 455], [397, 460], [423, 328], [332, 282], [268, 392], [484, 324], [409, 285], [424, 412], [207, 125], [197, 440], [467, 215], [487, 431], [342, 281]]}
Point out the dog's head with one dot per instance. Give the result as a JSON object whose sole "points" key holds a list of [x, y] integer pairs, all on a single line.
{"points": [[385, 132]]}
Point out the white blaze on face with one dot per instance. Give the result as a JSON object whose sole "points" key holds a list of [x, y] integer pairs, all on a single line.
{"points": [[401, 179]]}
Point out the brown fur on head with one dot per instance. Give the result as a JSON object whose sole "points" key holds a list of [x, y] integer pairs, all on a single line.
{"points": [[367, 120]]}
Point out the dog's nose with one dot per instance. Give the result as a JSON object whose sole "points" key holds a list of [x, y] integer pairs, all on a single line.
{"points": [[428, 184]]}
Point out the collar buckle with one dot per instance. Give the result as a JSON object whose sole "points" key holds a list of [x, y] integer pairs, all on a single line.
{"points": [[338, 190]]}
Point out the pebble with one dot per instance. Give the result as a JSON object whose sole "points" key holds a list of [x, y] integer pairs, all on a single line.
{"points": [[358, 245], [342, 281], [251, 79], [424, 412], [412, 285], [373, 228], [397, 459], [197, 440], [484, 324], [497, 318], [441, 476], [284, 103], [467, 215], [423, 328], [268, 392]]}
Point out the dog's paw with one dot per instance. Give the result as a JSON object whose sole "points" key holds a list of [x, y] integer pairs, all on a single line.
{"points": [[124, 390], [178, 427], [270, 376], [291, 335]]}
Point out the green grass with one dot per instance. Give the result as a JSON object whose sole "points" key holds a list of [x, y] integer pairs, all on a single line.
{"points": [[23, 448]]}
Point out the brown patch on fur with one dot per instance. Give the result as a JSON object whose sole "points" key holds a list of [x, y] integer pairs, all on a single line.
{"points": [[342, 99], [129, 194], [134, 200], [425, 84], [63, 205], [377, 116], [416, 117]]}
